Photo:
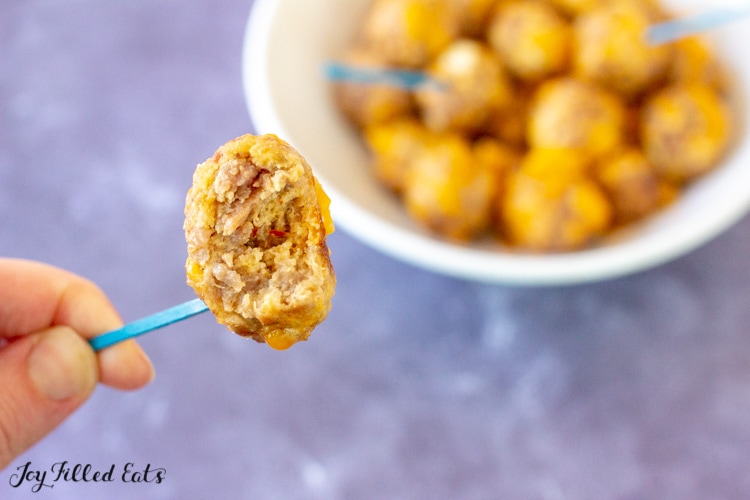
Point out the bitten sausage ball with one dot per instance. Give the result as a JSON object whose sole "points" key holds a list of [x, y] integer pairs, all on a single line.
{"points": [[256, 223]]}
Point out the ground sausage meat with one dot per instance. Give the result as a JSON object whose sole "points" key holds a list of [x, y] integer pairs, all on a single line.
{"points": [[256, 223]]}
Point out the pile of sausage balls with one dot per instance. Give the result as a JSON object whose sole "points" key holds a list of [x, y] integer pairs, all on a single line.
{"points": [[554, 124]]}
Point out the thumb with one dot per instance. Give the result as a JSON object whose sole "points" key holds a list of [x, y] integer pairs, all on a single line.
{"points": [[45, 377]]}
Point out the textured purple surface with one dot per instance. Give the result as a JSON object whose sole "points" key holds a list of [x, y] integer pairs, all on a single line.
{"points": [[417, 386]]}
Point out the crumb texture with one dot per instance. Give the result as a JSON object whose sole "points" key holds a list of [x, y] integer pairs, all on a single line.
{"points": [[257, 253]]}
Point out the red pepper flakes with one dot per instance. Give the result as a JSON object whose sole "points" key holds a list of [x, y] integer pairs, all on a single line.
{"points": [[278, 233]]}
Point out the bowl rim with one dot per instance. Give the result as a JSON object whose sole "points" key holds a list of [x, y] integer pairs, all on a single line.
{"points": [[628, 256]]}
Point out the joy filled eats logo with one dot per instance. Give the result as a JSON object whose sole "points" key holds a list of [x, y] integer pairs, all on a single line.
{"points": [[36, 479]]}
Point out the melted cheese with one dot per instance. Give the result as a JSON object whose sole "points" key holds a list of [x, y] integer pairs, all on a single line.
{"points": [[325, 211]]}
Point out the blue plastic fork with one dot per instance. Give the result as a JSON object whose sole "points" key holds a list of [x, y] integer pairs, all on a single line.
{"points": [[675, 29], [149, 323], [405, 79]]}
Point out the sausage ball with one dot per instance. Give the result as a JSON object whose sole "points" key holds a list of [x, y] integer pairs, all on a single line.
{"points": [[612, 51], [408, 33], [569, 113], [551, 204], [632, 184], [685, 130], [475, 85], [392, 146], [531, 38], [448, 191], [694, 61]]}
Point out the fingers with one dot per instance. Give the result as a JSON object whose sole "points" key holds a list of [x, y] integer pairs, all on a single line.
{"points": [[47, 368], [45, 377], [84, 307], [125, 366], [35, 296]]}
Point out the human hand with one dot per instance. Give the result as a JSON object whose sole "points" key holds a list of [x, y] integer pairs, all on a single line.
{"points": [[47, 368]]}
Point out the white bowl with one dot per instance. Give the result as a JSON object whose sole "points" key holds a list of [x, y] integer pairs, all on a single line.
{"points": [[286, 44]]}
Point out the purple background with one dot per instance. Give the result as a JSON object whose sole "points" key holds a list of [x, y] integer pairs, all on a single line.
{"points": [[417, 386]]}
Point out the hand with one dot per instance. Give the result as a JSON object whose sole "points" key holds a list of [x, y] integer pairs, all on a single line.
{"points": [[47, 368]]}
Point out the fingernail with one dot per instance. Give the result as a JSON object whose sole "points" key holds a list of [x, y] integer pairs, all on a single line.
{"points": [[61, 365], [125, 366], [148, 367]]}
